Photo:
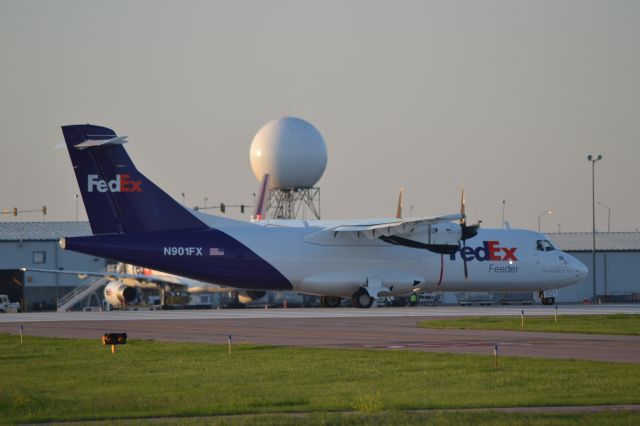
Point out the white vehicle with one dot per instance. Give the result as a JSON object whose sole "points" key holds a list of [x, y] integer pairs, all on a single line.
{"points": [[8, 307]]}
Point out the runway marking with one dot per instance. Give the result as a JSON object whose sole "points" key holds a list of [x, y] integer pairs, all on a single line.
{"points": [[381, 333]]}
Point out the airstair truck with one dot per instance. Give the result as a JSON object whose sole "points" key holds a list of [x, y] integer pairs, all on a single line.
{"points": [[8, 307]]}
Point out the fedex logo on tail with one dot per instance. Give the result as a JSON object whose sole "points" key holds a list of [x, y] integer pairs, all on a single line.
{"points": [[489, 250], [122, 183]]}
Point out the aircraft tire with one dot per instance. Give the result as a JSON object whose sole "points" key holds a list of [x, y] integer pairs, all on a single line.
{"points": [[330, 301], [548, 300], [361, 299]]}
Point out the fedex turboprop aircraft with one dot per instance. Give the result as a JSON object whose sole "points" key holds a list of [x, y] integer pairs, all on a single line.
{"points": [[136, 222]]}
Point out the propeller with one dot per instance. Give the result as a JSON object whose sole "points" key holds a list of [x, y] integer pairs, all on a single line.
{"points": [[468, 231], [399, 210]]}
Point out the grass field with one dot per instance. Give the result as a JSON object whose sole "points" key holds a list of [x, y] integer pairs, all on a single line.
{"points": [[63, 379], [593, 324]]}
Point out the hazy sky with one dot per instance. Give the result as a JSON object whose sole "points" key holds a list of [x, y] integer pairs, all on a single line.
{"points": [[505, 98]]}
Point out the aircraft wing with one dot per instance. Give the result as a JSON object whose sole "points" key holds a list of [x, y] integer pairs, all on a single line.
{"points": [[113, 275], [139, 280], [387, 228]]}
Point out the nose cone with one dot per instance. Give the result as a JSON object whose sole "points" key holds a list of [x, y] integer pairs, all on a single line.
{"points": [[577, 269], [581, 270]]}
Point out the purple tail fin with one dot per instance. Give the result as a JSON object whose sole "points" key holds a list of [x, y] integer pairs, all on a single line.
{"points": [[118, 198]]}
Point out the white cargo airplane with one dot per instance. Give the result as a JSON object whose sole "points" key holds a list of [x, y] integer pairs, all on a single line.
{"points": [[136, 222]]}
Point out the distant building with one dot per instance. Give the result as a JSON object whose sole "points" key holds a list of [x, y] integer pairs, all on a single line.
{"points": [[617, 265], [36, 245]]}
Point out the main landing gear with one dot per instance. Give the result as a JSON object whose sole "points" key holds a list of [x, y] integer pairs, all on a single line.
{"points": [[546, 300], [330, 301], [360, 299]]}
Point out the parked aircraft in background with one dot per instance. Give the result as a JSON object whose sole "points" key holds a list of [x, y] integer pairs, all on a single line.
{"points": [[136, 222], [122, 288]]}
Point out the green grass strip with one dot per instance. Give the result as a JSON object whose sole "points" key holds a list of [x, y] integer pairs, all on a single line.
{"points": [[619, 324], [65, 379]]}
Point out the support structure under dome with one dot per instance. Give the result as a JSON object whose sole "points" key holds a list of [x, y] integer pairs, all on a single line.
{"points": [[290, 203]]}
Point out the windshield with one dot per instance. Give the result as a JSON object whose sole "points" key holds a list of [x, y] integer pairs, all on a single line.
{"points": [[544, 245]]}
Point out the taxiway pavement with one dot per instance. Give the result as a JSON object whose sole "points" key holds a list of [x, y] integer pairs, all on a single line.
{"points": [[384, 328]]}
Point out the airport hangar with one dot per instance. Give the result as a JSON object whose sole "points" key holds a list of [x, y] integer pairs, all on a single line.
{"points": [[36, 245]]}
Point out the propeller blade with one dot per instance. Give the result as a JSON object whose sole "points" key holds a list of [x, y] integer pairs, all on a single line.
{"points": [[400, 202], [467, 232], [463, 219], [464, 259]]}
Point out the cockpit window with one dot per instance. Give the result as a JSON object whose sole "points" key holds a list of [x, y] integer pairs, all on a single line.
{"points": [[544, 245]]}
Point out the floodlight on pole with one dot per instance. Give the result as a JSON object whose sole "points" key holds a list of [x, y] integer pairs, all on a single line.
{"points": [[593, 161], [542, 214]]}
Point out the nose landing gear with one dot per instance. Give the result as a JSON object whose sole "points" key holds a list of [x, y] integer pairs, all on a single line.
{"points": [[361, 299], [546, 300]]}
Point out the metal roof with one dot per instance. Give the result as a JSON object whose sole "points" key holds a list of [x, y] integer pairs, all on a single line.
{"points": [[42, 231], [605, 241]]}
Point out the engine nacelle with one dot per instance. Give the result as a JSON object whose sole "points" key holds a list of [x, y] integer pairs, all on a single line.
{"points": [[444, 233], [248, 296], [440, 238], [118, 294]]}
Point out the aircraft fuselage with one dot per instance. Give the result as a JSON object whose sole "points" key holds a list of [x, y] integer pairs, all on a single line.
{"points": [[284, 257]]}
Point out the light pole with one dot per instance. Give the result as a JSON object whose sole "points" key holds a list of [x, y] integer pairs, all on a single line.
{"points": [[540, 217], [76, 207], [593, 211], [608, 215], [504, 202]]}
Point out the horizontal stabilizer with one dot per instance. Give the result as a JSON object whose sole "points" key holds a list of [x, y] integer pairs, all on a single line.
{"points": [[93, 143]]}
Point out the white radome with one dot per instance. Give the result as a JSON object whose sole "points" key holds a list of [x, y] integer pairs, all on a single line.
{"points": [[291, 150]]}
